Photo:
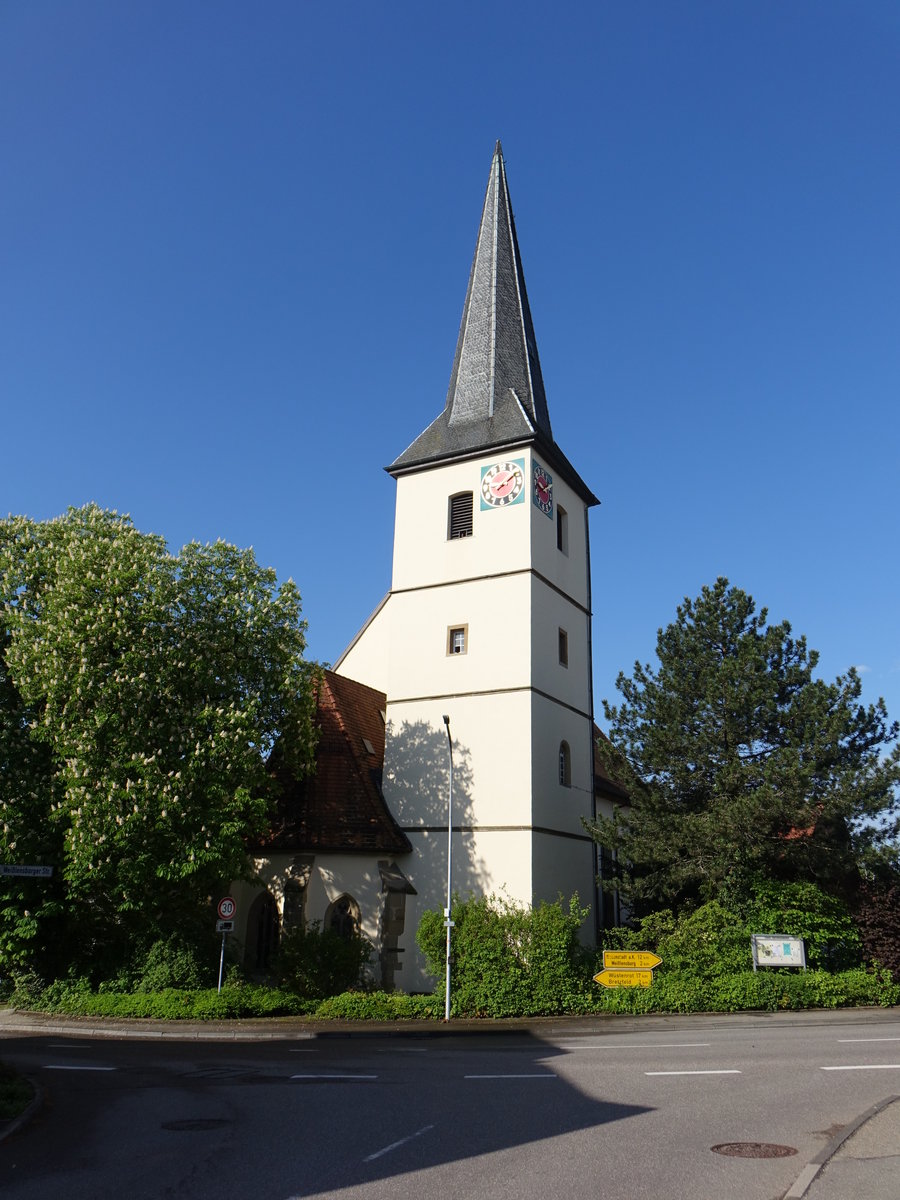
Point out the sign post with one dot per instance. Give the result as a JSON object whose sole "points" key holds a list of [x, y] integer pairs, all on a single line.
{"points": [[226, 909], [627, 968]]}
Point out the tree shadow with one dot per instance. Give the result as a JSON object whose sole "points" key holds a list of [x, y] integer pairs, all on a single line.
{"points": [[416, 786], [482, 1100]]}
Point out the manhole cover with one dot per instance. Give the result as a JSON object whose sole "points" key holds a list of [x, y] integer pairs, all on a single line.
{"points": [[753, 1150], [194, 1124]]}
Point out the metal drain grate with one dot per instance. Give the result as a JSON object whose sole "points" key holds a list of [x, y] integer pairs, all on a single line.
{"points": [[753, 1150]]}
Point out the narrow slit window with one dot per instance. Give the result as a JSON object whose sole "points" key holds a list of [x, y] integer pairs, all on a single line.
{"points": [[460, 516], [565, 764], [563, 648], [562, 529], [457, 637]]}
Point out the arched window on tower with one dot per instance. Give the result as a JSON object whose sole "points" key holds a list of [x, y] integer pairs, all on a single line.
{"points": [[565, 764]]}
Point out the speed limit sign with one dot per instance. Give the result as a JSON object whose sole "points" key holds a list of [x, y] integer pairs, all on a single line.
{"points": [[226, 908]]}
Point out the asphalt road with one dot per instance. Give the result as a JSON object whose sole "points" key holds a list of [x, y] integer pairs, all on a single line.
{"points": [[586, 1111]]}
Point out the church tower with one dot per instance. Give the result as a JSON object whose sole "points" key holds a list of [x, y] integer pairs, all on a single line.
{"points": [[488, 620]]}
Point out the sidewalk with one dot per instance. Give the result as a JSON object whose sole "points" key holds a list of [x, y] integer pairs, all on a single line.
{"points": [[862, 1161]]}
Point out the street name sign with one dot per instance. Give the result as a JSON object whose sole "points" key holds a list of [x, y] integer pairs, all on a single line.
{"points": [[635, 960], [30, 872], [617, 979]]}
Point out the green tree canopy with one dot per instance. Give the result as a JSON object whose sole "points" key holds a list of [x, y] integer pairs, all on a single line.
{"points": [[741, 764], [140, 693]]}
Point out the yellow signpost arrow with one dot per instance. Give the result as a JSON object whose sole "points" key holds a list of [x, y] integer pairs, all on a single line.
{"points": [[635, 960], [617, 978]]}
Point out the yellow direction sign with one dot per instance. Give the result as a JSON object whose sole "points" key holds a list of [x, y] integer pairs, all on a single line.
{"points": [[634, 960], [617, 979]]}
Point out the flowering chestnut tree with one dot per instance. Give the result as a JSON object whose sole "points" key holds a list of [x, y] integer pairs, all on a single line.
{"points": [[140, 694]]}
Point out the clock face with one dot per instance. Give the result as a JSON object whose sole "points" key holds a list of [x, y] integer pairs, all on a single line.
{"points": [[503, 484], [542, 492]]}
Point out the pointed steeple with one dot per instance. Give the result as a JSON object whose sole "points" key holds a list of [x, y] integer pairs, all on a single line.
{"points": [[496, 394], [496, 354]]}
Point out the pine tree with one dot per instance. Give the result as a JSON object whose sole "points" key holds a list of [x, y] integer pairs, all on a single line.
{"points": [[743, 765]]}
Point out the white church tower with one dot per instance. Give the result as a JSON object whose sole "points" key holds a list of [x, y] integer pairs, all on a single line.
{"points": [[488, 620]]}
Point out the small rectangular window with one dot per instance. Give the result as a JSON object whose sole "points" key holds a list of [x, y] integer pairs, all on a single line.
{"points": [[456, 639], [563, 648], [459, 523], [562, 529]]}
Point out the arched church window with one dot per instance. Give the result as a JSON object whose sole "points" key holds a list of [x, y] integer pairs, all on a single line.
{"points": [[262, 931], [565, 764], [343, 917]]}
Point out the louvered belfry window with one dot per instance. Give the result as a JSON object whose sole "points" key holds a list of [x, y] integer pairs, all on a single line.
{"points": [[461, 515]]}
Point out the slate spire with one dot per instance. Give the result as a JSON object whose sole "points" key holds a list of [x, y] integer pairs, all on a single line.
{"points": [[496, 394], [496, 352], [496, 397]]}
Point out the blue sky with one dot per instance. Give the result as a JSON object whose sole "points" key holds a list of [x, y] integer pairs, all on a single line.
{"points": [[235, 245]]}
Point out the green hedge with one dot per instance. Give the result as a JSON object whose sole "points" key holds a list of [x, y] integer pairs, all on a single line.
{"points": [[767, 990], [170, 1004], [509, 961], [672, 992]]}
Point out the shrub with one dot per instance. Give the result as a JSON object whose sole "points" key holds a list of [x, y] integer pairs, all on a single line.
{"points": [[803, 910], [174, 963], [876, 913], [510, 961], [769, 990], [714, 939], [170, 1004], [380, 1006], [317, 962]]}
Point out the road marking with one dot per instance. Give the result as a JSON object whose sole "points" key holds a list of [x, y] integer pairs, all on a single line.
{"points": [[52, 1067], [866, 1067], [635, 1046], [888, 1039], [543, 1075], [333, 1076], [729, 1072], [395, 1145]]}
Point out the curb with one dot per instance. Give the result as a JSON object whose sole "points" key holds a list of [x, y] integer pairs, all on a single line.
{"points": [[801, 1184]]}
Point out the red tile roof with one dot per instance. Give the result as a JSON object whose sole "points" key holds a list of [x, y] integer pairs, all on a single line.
{"points": [[340, 808]]}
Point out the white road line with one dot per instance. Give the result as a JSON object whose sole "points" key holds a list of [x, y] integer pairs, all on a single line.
{"points": [[394, 1145], [52, 1067], [543, 1075], [635, 1046], [866, 1067], [333, 1076], [730, 1072], [888, 1039]]}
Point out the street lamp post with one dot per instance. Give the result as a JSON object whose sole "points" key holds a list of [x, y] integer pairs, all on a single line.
{"points": [[447, 920]]}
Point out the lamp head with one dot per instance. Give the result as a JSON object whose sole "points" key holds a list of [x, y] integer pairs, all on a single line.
{"points": [[446, 720]]}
